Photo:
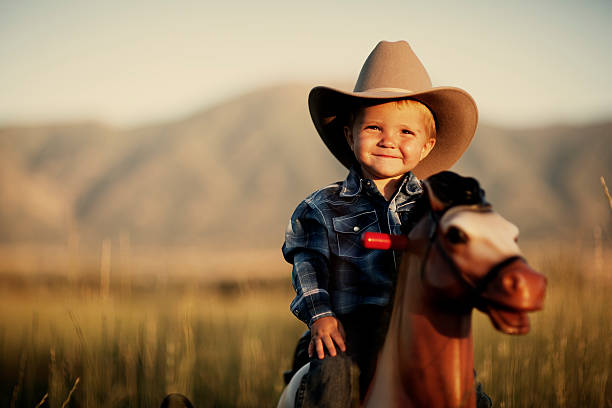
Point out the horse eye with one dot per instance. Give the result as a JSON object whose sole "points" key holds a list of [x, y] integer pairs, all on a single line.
{"points": [[456, 236]]}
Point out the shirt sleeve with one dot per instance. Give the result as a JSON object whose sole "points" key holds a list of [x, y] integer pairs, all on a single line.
{"points": [[307, 248]]}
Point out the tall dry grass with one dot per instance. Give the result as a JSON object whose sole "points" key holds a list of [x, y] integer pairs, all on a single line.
{"points": [[222, 347], [226, 345], [566, 359]]}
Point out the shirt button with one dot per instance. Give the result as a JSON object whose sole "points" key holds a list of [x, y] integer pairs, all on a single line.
{"points": [[356, 229]]}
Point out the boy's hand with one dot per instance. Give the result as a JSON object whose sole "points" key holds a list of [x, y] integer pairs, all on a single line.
{"points": [[326, 331]]}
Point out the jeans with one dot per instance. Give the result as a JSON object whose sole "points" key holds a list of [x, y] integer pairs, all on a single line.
{"points": [[343, 380]]}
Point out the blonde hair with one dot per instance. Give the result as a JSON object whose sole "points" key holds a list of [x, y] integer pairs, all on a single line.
{"points": [[428, 117]]}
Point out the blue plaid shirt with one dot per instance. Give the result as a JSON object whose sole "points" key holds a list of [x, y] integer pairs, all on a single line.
{"points": [[332, 272]]}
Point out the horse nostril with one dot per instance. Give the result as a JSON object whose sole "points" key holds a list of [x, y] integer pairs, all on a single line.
{"points": [[513, 282]]}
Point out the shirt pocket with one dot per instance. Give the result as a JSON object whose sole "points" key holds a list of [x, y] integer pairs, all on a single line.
{"points": [[348, 230]]}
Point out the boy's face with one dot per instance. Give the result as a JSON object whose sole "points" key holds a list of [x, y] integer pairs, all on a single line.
{"points": [[389, 140]]}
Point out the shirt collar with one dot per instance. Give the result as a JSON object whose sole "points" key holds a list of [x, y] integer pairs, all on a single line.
{"points": [[352, 185]]}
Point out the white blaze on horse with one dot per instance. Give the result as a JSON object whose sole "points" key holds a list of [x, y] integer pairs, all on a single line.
{"points": [[461, 255]]}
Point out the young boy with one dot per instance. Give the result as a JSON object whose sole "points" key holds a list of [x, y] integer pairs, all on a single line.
{"points": [[393, 129]]}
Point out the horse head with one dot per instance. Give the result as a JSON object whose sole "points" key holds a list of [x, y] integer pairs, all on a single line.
{"points": [[469, 255], [480, 248]]}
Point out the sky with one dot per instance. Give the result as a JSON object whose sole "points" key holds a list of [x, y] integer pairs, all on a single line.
{"points": [[526, 63]]}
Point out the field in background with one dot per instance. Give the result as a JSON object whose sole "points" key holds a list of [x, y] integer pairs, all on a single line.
{"points": [[225, 343]]}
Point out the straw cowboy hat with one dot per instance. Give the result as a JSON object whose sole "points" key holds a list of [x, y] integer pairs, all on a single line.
{"points": [[391, 72]]}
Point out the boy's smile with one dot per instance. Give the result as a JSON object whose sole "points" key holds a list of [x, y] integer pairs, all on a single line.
{"points": [[389, 140]]}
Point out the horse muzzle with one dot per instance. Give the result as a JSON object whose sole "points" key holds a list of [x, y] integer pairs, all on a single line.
{"points": [[516, 290]]}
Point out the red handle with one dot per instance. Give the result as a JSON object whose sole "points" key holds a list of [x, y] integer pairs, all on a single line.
{"points": [[377, 240]]}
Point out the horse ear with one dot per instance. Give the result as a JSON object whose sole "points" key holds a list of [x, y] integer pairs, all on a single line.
{"points": [[435, 203]]}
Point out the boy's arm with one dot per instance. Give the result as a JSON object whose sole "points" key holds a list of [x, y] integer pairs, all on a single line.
{"points": [[307, 248], [310, 284]]}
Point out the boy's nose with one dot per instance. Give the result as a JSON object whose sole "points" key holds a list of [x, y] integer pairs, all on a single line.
{"points": [[386, 141]]}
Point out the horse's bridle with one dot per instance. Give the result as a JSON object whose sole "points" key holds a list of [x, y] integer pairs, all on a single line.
{"points": [[475, 289]]}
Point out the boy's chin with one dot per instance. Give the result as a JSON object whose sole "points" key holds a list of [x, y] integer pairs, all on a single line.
{"points": [[384, 173]]}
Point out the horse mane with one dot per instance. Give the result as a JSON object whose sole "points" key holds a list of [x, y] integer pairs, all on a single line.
{"points": [[449, 188], [452, 189]]}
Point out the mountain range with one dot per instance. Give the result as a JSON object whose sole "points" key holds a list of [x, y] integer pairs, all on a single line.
{"points": [[230, 176]]}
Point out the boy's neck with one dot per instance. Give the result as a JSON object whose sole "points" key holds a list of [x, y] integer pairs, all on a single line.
{"points": [[387, 187]]}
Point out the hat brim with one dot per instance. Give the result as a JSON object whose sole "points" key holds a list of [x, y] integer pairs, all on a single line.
{"points": [[454, 111]]}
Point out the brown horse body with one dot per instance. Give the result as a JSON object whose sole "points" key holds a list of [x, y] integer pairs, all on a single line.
{"points": [[418, 365]]}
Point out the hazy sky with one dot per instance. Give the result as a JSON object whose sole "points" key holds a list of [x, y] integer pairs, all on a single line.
{"points": [[129, 62]]}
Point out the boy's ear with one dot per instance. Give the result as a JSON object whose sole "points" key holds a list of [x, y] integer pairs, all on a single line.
{"points": [[428, 147], [348, 135]]}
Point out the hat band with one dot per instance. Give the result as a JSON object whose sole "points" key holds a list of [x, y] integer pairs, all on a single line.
{"points": [[383, 90]]}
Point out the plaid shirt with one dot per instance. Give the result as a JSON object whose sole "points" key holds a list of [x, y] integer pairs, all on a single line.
{"points": [[332, 272]]}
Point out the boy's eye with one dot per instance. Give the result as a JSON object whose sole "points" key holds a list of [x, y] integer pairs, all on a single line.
{"points": [[373, 127], [407, 132]]}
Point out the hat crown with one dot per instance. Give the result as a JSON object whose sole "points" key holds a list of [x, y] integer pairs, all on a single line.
{"points": [[393, 65]]}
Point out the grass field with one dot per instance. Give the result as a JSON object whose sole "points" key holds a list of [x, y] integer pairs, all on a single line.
{"points": [[226, 344]]}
